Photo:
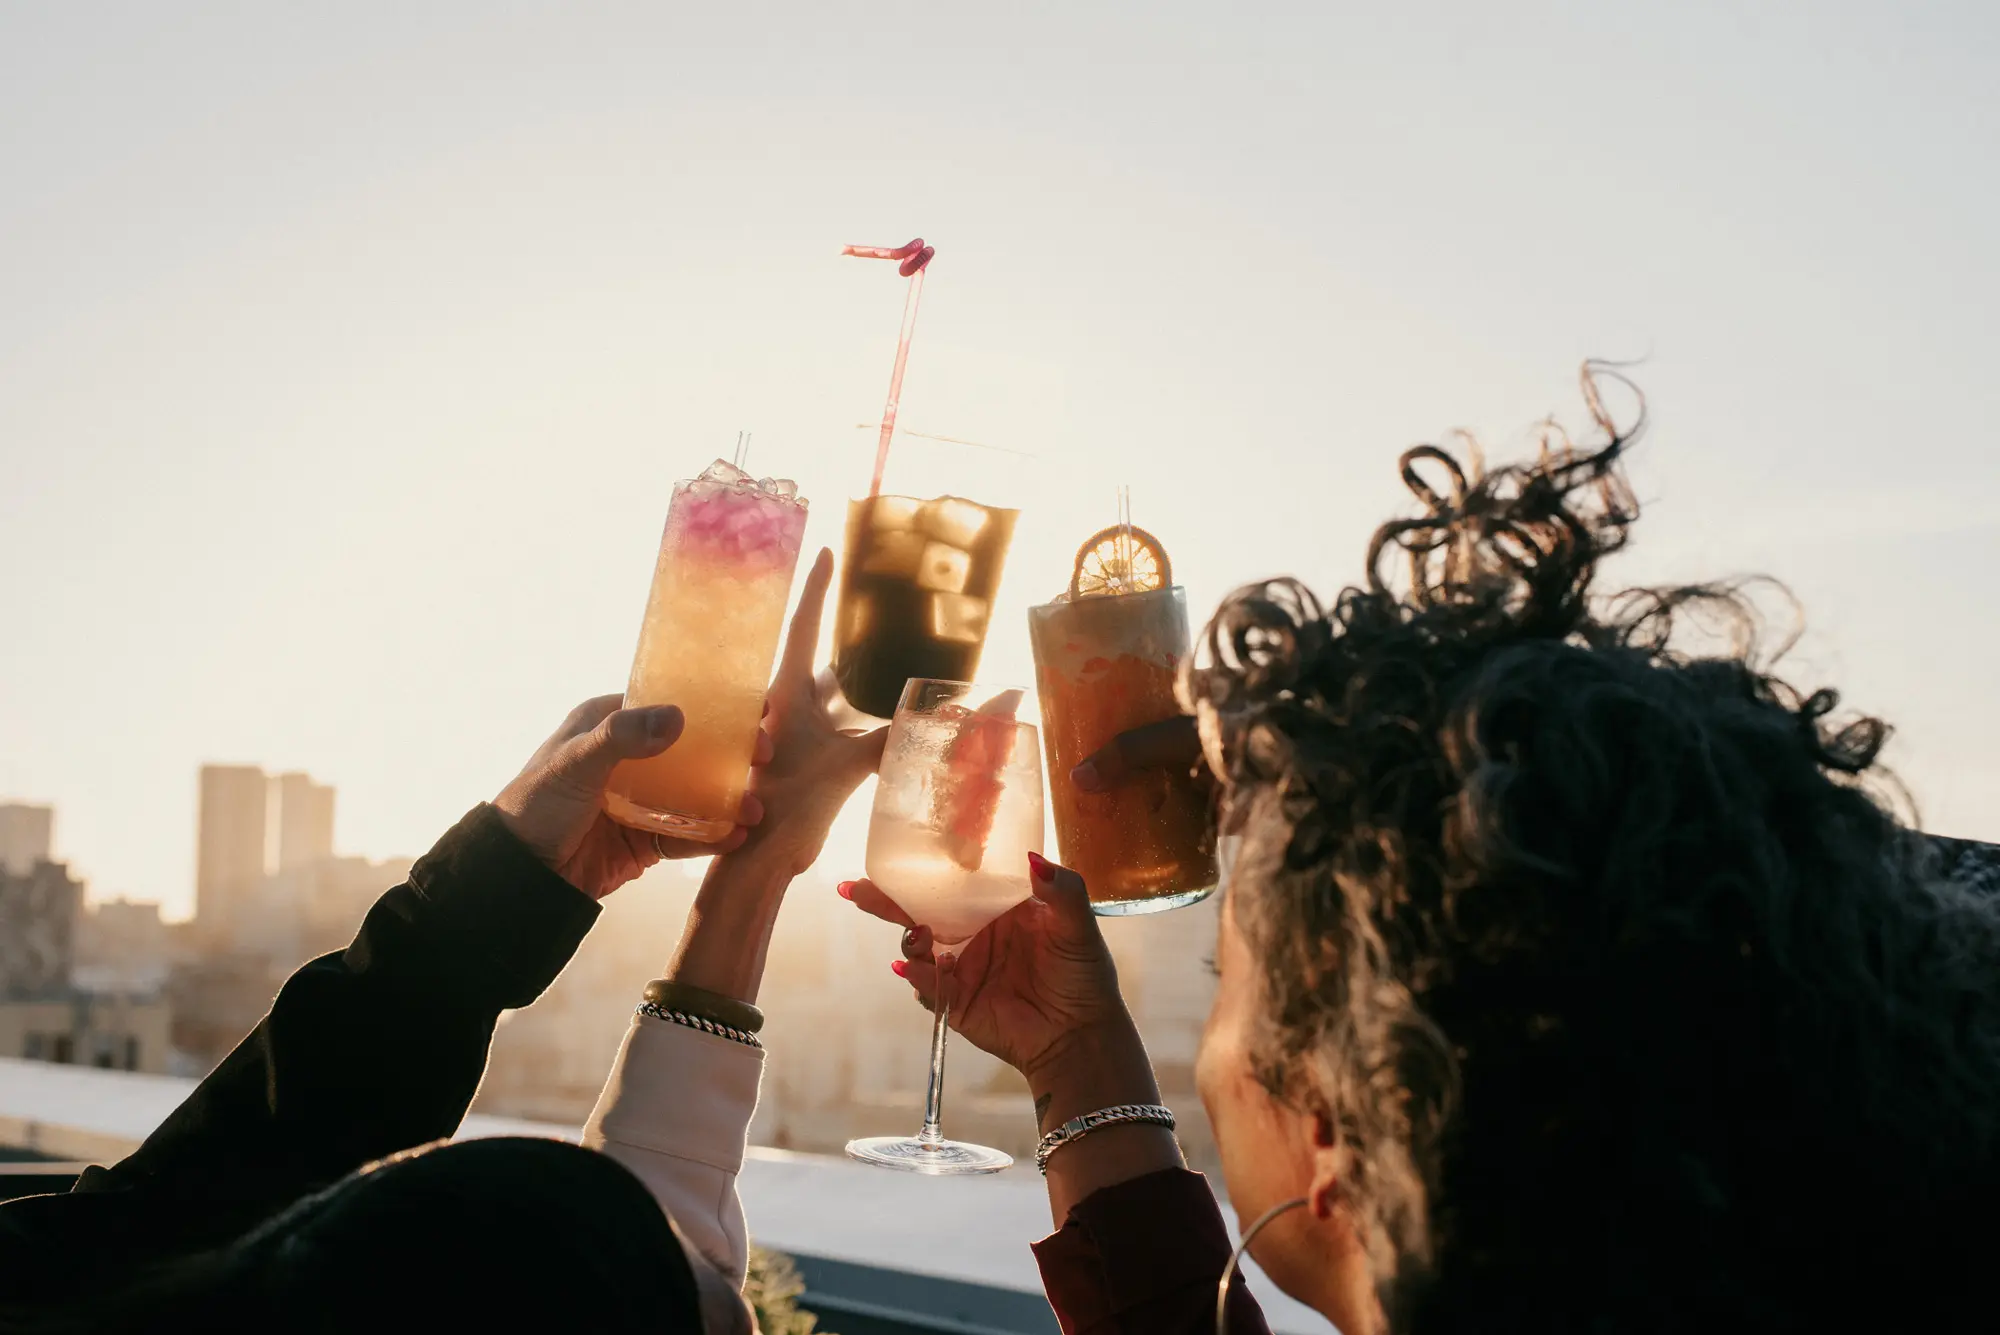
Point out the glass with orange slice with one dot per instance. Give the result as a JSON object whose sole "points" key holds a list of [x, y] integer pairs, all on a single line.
{"points": [[1107, 654]]}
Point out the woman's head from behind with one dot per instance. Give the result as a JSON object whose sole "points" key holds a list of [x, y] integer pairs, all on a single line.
{"points": [[1571, 974], [511, 1233]]}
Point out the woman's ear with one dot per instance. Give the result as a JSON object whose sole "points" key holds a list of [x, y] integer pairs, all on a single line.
{"points": [[1328, 1160], [1344, 1287]]}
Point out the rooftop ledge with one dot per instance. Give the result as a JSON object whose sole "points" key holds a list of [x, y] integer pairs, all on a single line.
{"points": [[934, 1242]]}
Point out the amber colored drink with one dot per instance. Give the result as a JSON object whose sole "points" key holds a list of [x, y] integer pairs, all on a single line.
{"points": [[1107, 664], [707, 643], [916, 594]]}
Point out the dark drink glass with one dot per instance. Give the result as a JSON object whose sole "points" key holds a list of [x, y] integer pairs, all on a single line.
{"points": [[916, 594]]}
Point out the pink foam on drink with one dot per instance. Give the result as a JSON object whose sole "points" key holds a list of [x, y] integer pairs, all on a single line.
{"points": [[726, 518]]}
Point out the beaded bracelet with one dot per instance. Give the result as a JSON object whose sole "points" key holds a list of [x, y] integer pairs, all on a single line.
{"points": [[1078, 1127], [679, 996], [706, 1025]]}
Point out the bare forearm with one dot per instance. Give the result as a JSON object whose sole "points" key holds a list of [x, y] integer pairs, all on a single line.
{"points": [[1099, 1068], [728, 931]]}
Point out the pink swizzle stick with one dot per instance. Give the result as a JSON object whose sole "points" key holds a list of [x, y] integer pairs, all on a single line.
{"points": [[914, 258]]}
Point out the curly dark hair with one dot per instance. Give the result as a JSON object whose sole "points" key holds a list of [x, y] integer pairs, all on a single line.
{"points": [[1609, 958]]}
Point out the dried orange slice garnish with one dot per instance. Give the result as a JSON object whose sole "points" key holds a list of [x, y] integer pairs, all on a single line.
{"points": [[1121, 559]]}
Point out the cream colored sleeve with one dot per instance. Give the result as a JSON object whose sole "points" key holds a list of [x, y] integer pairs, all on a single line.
{"points": [[676, 1111]]}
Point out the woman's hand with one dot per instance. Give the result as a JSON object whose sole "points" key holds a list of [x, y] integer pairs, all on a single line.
{"points": [[1032, 984], [1037, 989], [556, 804], [814, 767], [1170, 744]]}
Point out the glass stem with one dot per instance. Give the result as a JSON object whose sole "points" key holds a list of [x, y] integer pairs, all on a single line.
{"points": [[934, 1096]]}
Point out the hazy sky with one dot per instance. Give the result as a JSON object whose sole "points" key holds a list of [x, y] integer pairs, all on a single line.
{"points": [[348, 353]]}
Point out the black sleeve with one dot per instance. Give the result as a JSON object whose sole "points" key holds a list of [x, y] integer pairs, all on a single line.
{"points": [[367, 1052], [1967, 862]]}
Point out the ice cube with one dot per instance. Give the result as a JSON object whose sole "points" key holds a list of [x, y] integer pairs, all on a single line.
{"points": [[894, 513], [943, 568], [781, 487], [959, 618], [724, 472], [893, 553], [858, 618], [952, 520]]}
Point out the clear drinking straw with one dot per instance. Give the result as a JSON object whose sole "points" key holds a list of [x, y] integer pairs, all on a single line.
{"points": [[1125, 530], [914, 257], [956, 440]]}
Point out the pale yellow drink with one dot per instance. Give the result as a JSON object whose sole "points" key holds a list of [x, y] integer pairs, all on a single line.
{"points": [[710, 635]]}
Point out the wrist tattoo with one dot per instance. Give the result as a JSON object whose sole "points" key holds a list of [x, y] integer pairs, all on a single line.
{"points": [[1042, 1109]]}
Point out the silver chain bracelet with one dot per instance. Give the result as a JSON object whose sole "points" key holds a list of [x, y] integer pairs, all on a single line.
{"points": [[707, 1026], [1078, 1127]]}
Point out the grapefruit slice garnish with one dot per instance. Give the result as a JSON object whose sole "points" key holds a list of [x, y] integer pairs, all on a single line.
{"points": [[1120, 559], [975, 762]]}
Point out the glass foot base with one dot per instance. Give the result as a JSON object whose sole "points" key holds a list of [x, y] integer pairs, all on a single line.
{"points": [[935, 1158], [674, 824], [1125, 908]]}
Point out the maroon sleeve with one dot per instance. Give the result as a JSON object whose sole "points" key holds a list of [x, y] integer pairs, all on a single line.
{"points": [[1143, 1258]]}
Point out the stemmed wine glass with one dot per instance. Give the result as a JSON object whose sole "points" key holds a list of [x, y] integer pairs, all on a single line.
{"points": [[958, 808]]}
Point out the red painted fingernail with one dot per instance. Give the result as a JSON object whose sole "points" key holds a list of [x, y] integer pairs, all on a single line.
{"points": [[845, 889], [1040, 866], [900, 968]]}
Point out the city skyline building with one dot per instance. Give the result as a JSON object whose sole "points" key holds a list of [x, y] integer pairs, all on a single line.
{"points": [[27, 832], [123, 945], [38, 914], [230, 835], [252, 825], [45, 1013], [302, 816]]}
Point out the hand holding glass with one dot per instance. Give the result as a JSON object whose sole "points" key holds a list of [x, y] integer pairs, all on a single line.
{"points": [[957, 811]]}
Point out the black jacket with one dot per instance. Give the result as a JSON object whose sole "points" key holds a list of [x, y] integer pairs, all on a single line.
{"points": [[371, 1051]]}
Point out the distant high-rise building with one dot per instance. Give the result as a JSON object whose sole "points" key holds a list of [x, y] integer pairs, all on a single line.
{"points": [[229, 856], [269, 894], [304, 821], [25, 833]]}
